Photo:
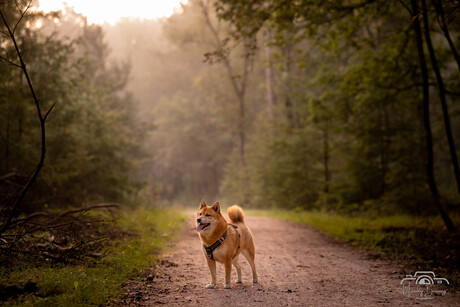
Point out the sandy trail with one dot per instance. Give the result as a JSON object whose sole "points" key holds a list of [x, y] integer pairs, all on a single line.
{"points": [[297, 266]]}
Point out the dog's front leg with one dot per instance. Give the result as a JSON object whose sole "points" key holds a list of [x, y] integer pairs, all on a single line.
{"points": [[228, 271], [212, 268]]}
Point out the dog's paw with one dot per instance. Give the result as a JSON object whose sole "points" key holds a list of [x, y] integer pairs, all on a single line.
{"points": [[228, 286], [239, 281], [210, 286], [255, 280]]}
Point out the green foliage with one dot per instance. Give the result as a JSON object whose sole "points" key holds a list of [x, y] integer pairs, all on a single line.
{"points": [[291, 178], [347, 129], [92, 135], [100, 283]]}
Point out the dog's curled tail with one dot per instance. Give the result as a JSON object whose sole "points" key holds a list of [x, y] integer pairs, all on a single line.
{"points": [[235, 213]]}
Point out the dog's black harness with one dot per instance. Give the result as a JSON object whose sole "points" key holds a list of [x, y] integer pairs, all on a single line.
{"points": [[210, 249]]}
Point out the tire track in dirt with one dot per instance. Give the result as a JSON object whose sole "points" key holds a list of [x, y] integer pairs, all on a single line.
{"points": [[297, 266]]}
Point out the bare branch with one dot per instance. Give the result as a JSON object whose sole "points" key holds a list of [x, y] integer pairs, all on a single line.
{"points": [[48, 112], [218, 42], [10, 62], [41, 162], [405, 6], [22, 14], [6, 176]]}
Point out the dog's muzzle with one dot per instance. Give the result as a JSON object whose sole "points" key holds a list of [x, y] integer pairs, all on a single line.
{"points": [[201, 225]]}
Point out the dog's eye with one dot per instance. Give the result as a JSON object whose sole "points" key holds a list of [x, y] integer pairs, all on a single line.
{"points": [[207, 214], [201, 213]]}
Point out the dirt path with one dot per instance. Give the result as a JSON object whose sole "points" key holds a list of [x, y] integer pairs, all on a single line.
{"points": [[297, 266]]}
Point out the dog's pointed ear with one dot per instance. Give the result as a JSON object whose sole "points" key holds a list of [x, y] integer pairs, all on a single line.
{"points": [[202, 204], [216, 207]]}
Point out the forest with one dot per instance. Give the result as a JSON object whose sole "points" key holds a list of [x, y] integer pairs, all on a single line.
{"points": [[340, 108]]}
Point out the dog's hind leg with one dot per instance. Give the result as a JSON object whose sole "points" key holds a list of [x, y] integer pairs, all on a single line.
{"points": [[238, 269], [250, 257], [212, 268]]}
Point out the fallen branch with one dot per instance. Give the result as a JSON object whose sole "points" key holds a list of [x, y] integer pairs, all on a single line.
{"points": [[60, 236], [9, 175], [34, 215], [85, 209]]}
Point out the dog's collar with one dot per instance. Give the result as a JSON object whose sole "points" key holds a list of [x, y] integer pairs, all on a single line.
{"points": [[210, 249]]}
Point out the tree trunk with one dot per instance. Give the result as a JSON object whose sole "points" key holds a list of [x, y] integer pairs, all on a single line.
{"points": [[7, 141], [426, 121], [442, 96], [271, 99], [241, 134], [238, 87], [326, 160], [383, 140], [288, 102], [42, 118], [443, 24]]}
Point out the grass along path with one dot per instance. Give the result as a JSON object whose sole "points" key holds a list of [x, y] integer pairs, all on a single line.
{"points": [[420, 243], [99, 282]]}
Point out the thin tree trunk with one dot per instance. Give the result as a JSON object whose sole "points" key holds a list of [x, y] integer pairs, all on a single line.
{"points": [[326, 160], [287, 85], [443, 24], [7, 147], [384, 126], [238, 87], [241, 134], [426, 121], [271, 99], [42, 119], [442, 96], [382, 148]]}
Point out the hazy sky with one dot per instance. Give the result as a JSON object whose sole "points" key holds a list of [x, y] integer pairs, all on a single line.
{"points": [[100, 11]]}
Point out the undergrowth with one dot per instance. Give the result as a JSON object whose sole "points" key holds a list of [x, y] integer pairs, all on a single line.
{"points": [[146, 234]]}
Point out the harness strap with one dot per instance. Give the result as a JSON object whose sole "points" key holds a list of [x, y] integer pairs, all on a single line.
{"points": [[239, 239], [210, 249]]}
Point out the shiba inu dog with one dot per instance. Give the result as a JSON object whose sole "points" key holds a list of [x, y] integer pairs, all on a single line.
{"points": [[224, 242]]}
